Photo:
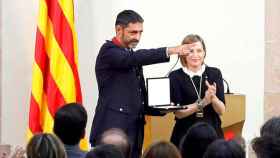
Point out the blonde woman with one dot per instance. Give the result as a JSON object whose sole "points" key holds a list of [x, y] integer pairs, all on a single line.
{"points": [[198, 86]]}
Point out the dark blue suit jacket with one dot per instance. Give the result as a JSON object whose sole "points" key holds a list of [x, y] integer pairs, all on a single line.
{"points": [[122, 100]]}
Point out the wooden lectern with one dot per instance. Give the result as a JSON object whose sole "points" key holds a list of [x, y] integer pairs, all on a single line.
{"points": [[234, 116], [232, 119]]}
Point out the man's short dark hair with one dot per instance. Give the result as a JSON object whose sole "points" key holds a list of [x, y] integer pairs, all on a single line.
{"points": [[128, 16], [70, 123]]}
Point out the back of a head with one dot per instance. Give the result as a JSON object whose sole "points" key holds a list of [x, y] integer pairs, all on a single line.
{"points": [[197, 139], [105, 151], [266, 147], [271, 127], [45, 146], [268, 144], [224, 149], [118, 138], [162, 149], [241, 141], [128, 16], [70, 123]]}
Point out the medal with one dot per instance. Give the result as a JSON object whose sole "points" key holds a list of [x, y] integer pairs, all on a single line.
{"points": [[199, 113]]}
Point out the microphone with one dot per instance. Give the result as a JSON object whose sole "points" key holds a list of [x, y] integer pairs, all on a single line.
{"points": [[228, 91], [172, 67]]}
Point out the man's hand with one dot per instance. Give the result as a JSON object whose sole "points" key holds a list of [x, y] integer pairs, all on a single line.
{"points": [[184, 49]]}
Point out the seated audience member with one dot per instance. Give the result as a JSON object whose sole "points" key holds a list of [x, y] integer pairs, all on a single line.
{"points": [[69, 125], [45, 146], [271, 127], [197, 139], [118, 138], [224, 149], [5, 150], [19, 152], [162, 149], [105, 151], [241, 141], [268, 144]]}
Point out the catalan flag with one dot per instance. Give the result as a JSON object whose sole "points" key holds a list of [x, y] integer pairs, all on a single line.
{"points": [[55, 79]]}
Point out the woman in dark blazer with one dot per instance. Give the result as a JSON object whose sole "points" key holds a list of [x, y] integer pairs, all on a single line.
{"points": [[198, 86]]}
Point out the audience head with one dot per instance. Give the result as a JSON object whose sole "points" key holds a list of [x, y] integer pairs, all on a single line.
{"points": [[70, 123], [271, 127], [162, 149], [268, 144], [105, 151], [197, 139], [241, 141], [224, 149], [118, 138], [45, 146], [266, 147], [199, 49]]}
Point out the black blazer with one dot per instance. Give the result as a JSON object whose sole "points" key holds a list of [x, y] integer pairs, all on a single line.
{"points": [[122, 97], [183, 93]]}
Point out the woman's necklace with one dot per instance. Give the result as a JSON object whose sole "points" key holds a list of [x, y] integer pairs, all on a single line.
{"points": [[199, 113]]}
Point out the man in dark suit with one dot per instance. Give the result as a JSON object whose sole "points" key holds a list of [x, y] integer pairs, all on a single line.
{"points": [[122, 101]]}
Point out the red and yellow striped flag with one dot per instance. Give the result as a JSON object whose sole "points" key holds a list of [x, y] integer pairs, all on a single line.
{"points": [[55, 79]]}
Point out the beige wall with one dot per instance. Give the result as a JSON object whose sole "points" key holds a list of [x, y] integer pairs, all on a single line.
{"points": [[18, 26], [272, 59], [0, 66]]}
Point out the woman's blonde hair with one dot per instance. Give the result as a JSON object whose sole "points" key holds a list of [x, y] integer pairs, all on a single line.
{"points": [[189, 39], [45, 146]]}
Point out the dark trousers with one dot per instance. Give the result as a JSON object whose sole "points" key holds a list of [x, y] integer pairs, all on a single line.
{"points": [[136, 136]]}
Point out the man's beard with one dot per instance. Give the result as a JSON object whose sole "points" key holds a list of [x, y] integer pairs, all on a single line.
{"points": [[130, 43], [133, 44]]}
